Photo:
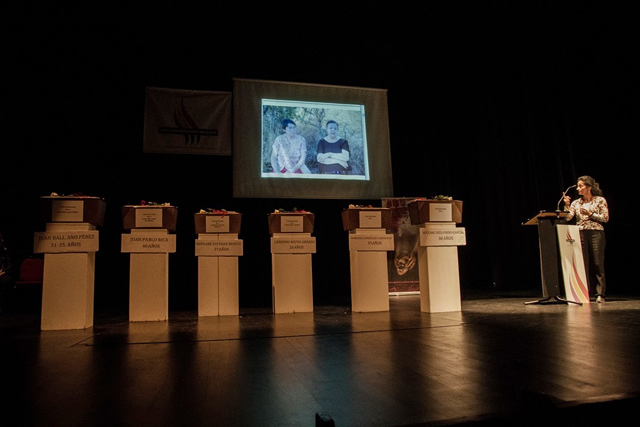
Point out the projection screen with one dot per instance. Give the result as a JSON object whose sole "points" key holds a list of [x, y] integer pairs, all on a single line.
{"points": [[299, 140]]}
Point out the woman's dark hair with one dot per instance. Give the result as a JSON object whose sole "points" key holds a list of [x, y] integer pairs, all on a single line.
{"points": [[332, 121], [591, 183], [287, 122]]}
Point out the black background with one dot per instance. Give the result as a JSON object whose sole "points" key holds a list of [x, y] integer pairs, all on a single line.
{"points": [[499, 104]]}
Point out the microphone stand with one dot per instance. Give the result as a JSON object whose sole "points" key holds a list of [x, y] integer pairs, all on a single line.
{"points": [[564, 194]]}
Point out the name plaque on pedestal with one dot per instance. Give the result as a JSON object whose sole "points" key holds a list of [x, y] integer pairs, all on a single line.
{"points": [[287, 245], [370, 219], [291, 224], [49, 242], [219, 247], [443, 237], [148, 218], [148, 243], [364, 242], [441, 212], [67, 210], [217, 224]]}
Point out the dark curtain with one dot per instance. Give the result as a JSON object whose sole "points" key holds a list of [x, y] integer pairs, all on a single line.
{"points": [[500, 105]]}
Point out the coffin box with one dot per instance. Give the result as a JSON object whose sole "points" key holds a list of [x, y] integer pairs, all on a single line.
{"points": [[138, 217], [430, 210], [278, 222], [201, 219], [73, 209], [351, 218]]}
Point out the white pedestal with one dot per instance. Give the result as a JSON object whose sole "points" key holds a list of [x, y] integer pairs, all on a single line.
{"points": [[68, 284], [292, 280], [148, 287], [218, 281], [369, 276], [439, 274], [149, 279]]}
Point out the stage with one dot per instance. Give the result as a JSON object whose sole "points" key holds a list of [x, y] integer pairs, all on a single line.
{"points": [[497, 362]]}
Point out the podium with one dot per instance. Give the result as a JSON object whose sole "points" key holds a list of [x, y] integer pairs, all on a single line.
{"points": [[546, 222], [291, 270], [149, 244], [438, 253], [218, 248], [69, 245], [369, 243]]}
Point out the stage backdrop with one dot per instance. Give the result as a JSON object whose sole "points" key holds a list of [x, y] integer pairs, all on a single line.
{"points": [[180, 121]]}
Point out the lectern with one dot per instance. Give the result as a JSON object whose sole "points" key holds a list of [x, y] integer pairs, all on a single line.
{"points": [[549, 256]]}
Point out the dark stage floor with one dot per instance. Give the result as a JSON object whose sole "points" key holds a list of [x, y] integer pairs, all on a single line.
{"points": [[498, 362]]}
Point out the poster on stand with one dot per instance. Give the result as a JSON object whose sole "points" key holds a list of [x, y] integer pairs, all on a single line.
{"points": [[403, 259]]}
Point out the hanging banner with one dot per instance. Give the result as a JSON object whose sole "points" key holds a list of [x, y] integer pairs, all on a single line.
{"points": [[187, 122], [573, 271], [402, 261]]}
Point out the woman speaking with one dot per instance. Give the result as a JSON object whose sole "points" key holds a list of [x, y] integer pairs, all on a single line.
{"points": [[591, 211]]}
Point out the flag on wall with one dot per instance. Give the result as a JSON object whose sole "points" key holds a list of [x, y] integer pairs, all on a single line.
{"points": [[187, 122]]}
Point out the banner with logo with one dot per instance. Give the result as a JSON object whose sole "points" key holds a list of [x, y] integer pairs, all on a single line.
{"points": [[573, 271], [180, 121]]}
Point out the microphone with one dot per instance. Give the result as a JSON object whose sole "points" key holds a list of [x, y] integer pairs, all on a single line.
{"points": [[564, 194]]}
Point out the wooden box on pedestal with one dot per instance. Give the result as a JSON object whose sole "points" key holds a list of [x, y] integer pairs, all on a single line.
{"points": [[291, 222], [149, 216], [432, 210], [212, 222], [354, 218], [73, 209]]}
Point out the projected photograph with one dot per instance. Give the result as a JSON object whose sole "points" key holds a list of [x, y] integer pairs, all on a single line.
{"points": [[309, 140]]}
